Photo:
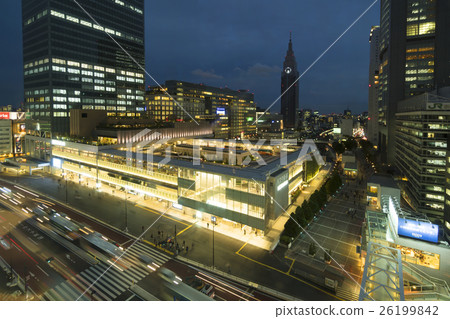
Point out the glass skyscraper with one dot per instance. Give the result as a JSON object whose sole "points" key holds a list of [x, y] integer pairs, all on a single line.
{"points": [[71, 62], [414, 50]]}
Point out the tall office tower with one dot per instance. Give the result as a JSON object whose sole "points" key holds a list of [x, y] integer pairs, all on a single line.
{"points": [[374, 80], [447, 193], [289, 100], [414, 51], [423, 123], [71, 62], [233, 112]]}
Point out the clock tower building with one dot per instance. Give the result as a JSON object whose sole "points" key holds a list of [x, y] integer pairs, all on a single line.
{"points": [[289, 89]]}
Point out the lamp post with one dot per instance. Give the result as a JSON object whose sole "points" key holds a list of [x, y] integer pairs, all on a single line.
{"points": [[213, 220], [65, 180], [126, 208]]}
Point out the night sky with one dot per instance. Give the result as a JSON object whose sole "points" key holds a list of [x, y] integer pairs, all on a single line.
{"points": [[238, 44]]}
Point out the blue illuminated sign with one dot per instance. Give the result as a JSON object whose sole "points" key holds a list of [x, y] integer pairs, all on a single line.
{"points": [[220, 111], [418, 230]]}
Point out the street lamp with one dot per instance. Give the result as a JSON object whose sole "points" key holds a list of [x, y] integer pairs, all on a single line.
{"points": [[65, 179], [126, 208], [213, 220]]}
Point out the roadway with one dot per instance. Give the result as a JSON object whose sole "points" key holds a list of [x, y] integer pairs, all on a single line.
{"points": [[230, 255], [69, 276]]}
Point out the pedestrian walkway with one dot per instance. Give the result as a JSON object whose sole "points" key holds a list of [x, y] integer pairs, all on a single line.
{"points": [[104, 282]]}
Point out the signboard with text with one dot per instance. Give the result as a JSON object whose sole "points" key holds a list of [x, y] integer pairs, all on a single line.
{"points": [[418, 230]]}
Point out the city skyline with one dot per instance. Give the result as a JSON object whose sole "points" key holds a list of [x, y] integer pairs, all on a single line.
{"points": [[243, 61]]}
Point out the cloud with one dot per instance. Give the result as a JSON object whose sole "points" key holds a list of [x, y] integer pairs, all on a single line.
{"points": [[258, 70], [263, 70], [209, 74]]}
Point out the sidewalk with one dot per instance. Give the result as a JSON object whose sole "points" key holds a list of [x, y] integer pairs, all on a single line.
{"points": [[266, 242]]}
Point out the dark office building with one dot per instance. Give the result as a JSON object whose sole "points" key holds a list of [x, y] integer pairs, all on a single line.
{"points": [[447, 193], [71, 62], [414, 51], [289, 100]]}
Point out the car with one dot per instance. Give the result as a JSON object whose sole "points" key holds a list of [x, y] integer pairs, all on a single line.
{"points": [[4, 243], [201, 286], [166, 274], [148, 262], [208, 290]]}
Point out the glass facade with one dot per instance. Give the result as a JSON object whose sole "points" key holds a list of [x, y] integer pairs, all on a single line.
{"points": [[236, 194], [70, 61]]}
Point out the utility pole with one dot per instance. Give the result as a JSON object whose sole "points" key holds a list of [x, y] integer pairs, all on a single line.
{"points": [[213, 220]]}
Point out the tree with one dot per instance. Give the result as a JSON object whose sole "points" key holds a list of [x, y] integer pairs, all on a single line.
{"points": [[299, 213], [291, 228], [323, 196], [314, 207], [312, 249], [302, 221], [350, 144], [311, 169], [327, 256], [309, 213], [338, 148]]}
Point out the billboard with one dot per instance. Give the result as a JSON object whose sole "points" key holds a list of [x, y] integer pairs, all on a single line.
{"points": [[12, 115], [418, 230], [220, 111]]}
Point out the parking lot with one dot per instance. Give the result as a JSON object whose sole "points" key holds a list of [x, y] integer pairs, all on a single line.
{"points": [[338, 230]]}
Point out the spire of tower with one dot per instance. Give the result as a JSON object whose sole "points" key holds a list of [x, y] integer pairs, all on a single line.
{"points": [[290, 50]]}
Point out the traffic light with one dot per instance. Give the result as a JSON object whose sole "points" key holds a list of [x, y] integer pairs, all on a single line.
{"points": [[50, 259]]}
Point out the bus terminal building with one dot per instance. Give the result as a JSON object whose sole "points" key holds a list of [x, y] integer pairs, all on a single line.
{"points": [[254, 195]]}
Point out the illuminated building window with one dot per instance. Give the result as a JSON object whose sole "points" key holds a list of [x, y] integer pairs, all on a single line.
{"points": [[427, 28]]}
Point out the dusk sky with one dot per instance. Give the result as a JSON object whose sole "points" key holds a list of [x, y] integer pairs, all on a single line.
{"points": [[239, 44]]}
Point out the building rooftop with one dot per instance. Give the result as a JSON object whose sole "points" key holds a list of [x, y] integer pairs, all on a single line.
{"points": [[351, 166], [258, 173], [383, 180]]}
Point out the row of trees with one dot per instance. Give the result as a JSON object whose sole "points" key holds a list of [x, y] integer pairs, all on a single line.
{"points": [[304, 214], [348, 145], [312, 168]]}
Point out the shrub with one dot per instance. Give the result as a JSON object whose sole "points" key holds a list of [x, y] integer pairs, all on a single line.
{"points": [[285, 240], [312, 249]]}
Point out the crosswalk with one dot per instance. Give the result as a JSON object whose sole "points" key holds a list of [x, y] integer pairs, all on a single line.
{"points": [[112, 283]]}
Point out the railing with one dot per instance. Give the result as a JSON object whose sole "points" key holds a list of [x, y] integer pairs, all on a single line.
{"points": [[170, 196], [424, 296], [242, 281], [439, 286], [140, 172], [119, 167]]}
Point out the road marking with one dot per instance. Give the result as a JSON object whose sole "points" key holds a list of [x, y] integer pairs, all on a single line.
{"points": [[131, 297], [242, 247], [292, 264], [160, 248], [185, 229], [163, 215], [18, 246], [126, 242], [43, 201], [32, 241], [287, 274], [43, 271]]}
